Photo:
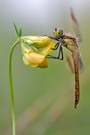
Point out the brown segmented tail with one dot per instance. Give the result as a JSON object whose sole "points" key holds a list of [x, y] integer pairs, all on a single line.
{"points": [[76, 70]]}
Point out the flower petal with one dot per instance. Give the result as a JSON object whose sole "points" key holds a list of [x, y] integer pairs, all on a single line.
{"points": [[44, 64]]}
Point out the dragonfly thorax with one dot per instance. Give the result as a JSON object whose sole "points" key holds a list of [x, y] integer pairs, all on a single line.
{"points": [[57, 32]]}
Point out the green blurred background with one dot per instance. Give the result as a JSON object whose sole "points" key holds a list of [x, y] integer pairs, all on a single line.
{"points": [[44, 98]]}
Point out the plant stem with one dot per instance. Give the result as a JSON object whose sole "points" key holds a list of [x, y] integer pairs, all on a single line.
{"points": [[11, 86]]}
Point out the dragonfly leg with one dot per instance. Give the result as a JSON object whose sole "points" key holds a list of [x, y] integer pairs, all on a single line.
{"points": [[56, 46], [60, 53], [51, 37]]}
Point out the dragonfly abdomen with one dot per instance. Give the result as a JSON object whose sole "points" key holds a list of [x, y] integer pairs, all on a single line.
{"points": [[76, 70]]}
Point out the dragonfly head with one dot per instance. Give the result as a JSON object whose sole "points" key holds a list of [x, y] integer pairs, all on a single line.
{"points": [[57, 32]]}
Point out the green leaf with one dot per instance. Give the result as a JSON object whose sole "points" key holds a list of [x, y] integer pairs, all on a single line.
{"points": [[18, 32]]}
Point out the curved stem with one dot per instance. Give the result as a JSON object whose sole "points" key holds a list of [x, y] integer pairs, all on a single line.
{"points": [[11, 86]]}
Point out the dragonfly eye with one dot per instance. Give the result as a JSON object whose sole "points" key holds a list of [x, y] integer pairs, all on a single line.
{"points": [[58, 32]]}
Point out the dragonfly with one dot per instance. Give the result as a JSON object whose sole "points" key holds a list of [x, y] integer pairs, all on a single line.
{"points": [[71, 42]]}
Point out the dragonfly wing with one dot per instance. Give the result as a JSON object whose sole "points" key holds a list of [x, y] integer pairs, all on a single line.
{"points": [[76, 28], [70, 63], [81, 66]]}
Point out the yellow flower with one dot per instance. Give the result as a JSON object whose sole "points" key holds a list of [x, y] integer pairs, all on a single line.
{"points": [[35, 49]]}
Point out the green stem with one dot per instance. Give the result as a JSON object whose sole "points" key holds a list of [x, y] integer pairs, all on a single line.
{"points": [[11, 86]]}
